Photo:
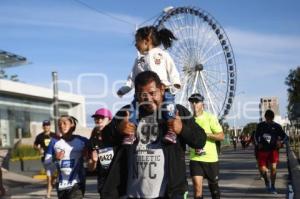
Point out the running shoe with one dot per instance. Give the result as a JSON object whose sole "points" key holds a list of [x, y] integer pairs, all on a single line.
{"points": [[273, 190]]}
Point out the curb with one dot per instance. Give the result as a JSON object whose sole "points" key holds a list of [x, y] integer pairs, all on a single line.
{"points": [[40, 177]]}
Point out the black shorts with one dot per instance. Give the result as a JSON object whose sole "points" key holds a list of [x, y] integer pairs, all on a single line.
{"points": [[209, 170]]}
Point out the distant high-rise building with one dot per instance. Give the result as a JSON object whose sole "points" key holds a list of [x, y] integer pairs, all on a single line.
{"points": [[268, 103]]}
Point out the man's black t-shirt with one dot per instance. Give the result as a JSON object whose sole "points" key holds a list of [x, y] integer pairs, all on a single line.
{"points": [[43, 140], [267, 134]]}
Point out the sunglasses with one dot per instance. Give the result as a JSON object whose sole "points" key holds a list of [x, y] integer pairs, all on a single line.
{"points": [[192, 101]]}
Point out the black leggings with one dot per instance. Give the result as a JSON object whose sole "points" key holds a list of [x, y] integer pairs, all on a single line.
{"points": [[76, 192], [214, 190]]}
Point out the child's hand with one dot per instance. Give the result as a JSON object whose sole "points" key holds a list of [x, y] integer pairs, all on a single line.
{"points": [[175, 125]]}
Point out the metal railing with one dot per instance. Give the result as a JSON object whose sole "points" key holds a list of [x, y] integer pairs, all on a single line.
{"points": [[294, 173]]}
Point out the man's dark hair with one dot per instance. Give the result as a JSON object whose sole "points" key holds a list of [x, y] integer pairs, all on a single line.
{"points": [[146, 77], [269, 114]]}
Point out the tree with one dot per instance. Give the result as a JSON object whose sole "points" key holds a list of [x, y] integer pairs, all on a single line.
{"points": [[225, 127], [249, 128], [293, 83]]}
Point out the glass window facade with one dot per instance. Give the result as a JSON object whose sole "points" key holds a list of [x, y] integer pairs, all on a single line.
{"points": [[22, 118]]}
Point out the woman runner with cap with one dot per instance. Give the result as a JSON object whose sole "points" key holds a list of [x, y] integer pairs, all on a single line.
{"points": [[101, 148]]}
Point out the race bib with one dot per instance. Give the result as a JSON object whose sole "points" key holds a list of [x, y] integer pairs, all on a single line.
{"points": [[67, 166], [267, 137], [65, 184], [105, 156], [200, 152]]}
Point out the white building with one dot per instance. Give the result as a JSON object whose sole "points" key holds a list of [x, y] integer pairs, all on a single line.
{"points": [[271, 103], [266, 103], [23, 107]]}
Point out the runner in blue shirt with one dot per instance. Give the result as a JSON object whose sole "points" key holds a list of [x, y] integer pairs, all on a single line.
{"points": [[68, 155]]}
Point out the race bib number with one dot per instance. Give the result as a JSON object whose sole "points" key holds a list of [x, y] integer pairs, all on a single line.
{"points": [[267, 137], [67, 166], [65, 184], [67, 163], [105, 156]]}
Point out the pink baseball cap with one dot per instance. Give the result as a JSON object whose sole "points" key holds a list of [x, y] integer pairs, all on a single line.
{"points": [[103, 112]]}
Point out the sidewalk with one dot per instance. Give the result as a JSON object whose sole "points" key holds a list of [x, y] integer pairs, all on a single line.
{"points": [[17, 184], [24, 187]]}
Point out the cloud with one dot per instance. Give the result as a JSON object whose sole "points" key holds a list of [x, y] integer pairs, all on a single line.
{"points": [[77, 18], [263, 61], [261, 44], [264, 54]]}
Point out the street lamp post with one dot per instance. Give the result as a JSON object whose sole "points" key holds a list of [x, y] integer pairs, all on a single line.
{"points": [[55, 100], [234, 118]]}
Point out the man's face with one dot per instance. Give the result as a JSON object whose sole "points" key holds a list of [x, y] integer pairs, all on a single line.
{"points": [[197, 106], [150, 96], [46, 128]]}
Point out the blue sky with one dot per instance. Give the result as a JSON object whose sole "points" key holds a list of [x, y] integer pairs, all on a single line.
{"points": [[83, 45]]}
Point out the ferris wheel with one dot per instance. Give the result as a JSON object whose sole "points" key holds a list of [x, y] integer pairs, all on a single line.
{"points": [[204, 57]]}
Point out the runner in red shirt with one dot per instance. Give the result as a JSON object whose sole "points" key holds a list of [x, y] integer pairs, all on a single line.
{"points": [[270, 137]]}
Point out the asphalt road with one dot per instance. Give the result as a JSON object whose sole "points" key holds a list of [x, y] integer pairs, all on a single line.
{"points": [[238, 179]]}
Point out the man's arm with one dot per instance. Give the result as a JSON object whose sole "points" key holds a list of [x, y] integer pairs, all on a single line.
{"points": [[192, 134], [257, 133], [50, 153], [283, 136], [217, 131], [114, 131], [216, 136], [36, 144]]}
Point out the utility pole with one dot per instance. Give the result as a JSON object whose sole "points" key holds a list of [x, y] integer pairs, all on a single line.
{"points": [[55, 101]]}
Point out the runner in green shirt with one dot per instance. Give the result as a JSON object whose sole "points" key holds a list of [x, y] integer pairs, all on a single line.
{"points": [[204, 162]]}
